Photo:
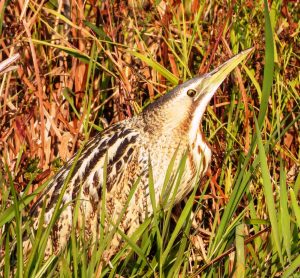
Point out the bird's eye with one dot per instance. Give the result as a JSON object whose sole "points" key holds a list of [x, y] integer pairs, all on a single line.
{"points": [[191, 92]]}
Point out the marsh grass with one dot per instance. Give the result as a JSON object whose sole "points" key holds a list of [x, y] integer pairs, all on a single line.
{"points": [[95, 63]]}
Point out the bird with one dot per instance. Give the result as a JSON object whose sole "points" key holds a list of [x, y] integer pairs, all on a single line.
{"points": [[124, 151]]}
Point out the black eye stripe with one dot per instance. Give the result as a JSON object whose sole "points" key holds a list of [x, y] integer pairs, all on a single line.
{"points": [[191, 92]]}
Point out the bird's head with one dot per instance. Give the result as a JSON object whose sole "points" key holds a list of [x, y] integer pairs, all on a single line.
{"points": [[183, 107]]}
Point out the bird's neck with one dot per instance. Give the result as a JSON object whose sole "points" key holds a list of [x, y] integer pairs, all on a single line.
{"points": [[170, 122], [200, 149]]}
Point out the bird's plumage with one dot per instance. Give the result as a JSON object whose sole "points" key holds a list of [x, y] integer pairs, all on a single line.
{"points": [[169, 125]]}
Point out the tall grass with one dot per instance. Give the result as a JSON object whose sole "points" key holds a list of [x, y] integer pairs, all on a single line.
{"points": [[91, 64]]}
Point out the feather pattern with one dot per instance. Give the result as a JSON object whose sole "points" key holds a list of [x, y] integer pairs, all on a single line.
{"points": [[169, 125], [120, 146]]}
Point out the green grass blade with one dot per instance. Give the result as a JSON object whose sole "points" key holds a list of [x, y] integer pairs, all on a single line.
{"points": [[74, 53], [269, 66], [98, 30], [8, 214], [18, 219], [295, 206], [45, 267], [182, 256], [297, 183], [292, 269], [240, 251], [241, 184], [185, 216], [56, 212], [251, 73], [31, 266], [73, 237], [154, 205], [268, 192], [7, 256], [68, 94], [284, 212], [156, 66]]}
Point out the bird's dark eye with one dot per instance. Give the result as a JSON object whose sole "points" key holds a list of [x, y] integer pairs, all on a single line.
{"points": [[191, 92]]}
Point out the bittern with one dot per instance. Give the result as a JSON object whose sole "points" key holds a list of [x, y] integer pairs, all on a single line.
{"points": [[170, 124]]}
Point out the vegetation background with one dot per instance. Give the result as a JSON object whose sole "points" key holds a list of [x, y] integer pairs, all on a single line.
{"points": [[87, 64]]}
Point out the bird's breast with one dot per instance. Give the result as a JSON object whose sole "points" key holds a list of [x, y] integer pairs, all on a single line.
{"points": [[200, 154]]}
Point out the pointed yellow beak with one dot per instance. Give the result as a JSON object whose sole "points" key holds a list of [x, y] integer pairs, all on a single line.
{"points": [[213, 80]]}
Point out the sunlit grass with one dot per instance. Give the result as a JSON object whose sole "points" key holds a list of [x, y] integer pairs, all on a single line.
{"points": [[97, 67]]}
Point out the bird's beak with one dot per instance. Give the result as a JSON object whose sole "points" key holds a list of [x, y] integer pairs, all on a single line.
{"points": [[213, 80]]}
